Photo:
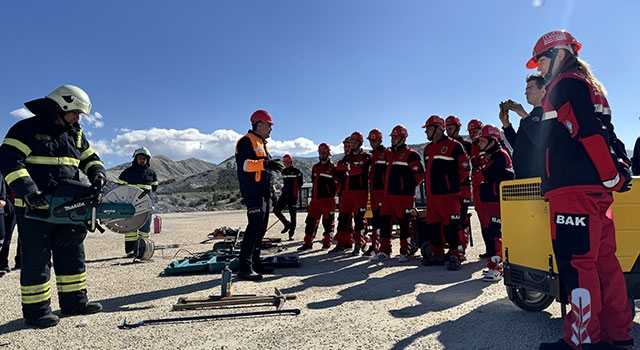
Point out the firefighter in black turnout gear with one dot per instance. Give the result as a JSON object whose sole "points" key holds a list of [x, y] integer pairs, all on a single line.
{"points": [[254, 175], [35, 155], [292, 183], [140, 175]]}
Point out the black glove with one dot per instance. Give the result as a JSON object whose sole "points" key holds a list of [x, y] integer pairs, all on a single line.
{"points": [[274, 198], [99, 181], [625, 176], [8, 208], [36, 199], [144, 193], [275, 165]]}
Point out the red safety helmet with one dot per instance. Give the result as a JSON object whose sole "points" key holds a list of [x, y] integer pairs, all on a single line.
{"points": [[323, 148], [435, 120], [474, 124], [556, 38], [375, 135], [287, 159], [491, 131], [357, 136], [261, 116], [452, 119], [399, 130]]}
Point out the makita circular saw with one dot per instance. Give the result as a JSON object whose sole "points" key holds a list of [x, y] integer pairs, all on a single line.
{"points": [[123, 209]]}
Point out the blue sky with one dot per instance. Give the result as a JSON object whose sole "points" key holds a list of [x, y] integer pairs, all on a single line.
{"points": [[183, 77]]}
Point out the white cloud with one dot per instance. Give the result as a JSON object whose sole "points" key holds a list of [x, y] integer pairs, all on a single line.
{"points": [[94, 120], [191, 143], [21, 113]]}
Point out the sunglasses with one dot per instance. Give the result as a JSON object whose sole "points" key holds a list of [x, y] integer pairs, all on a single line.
{"points": [[548, 54]]}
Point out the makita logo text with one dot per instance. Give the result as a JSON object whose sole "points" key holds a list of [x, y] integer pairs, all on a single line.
{"points": [[75, 206], [571, 220]]}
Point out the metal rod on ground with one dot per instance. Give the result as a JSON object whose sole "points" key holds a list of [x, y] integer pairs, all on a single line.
{"points": [[126, 325], [274, 223]]}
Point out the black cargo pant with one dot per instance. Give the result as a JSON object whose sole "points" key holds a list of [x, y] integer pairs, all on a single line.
{"points": [[41, 241], [258, 219]]}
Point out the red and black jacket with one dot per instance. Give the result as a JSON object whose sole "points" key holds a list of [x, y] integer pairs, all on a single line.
{"points": [[575, 141], [378, 168], [404, 172], [354, 171], [446, 166], [325, 182], [496, 167]]}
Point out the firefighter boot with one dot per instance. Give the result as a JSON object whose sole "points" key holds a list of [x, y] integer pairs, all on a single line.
{"points": [[82, 309], [246, 272], [258, 266], [45, 321]]}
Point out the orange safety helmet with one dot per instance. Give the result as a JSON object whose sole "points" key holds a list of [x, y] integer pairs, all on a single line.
{"points": [[357, 136], [555, 39], [324, 148], [287, 159], [261, 116], [452, 119], [435, 120], [375, 135], [399, 130], [491, 131]]}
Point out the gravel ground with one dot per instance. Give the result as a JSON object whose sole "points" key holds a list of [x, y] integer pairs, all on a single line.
{"points": [[346, 302]]}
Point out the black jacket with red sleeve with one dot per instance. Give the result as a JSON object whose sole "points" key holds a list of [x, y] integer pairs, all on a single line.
{"points": [[575, 139]]}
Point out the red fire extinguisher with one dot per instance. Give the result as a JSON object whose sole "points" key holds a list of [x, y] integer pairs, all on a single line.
{"points": [[157, 224]]}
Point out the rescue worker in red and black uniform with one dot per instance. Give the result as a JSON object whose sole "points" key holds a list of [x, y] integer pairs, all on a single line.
{"points": [[254, 175], [292, 183], [453, 125], [377, 171], [495, 167], [474, 127], [36, 154], [355, 172], [446, 167], [584, 163], [323, 200], [346, 147], [140, 175], [403, 174]]}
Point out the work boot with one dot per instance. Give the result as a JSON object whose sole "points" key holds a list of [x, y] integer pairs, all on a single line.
{"points": [[369, 251], [286, 227], [326, 246], [454, 263], [356, 251], [305, 247], [86, 309], [558, 345], [337, 249], [262, 269], [291, 235], [45, 321], [249, 275]]}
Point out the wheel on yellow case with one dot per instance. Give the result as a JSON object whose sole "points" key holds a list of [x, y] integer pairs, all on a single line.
{"points": [[529, 300]]}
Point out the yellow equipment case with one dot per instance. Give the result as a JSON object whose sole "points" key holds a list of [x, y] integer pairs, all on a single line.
{"points": [[530, 270]]}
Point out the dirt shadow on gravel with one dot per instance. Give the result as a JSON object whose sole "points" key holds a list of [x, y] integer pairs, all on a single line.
{"points": [[477, 330]]}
